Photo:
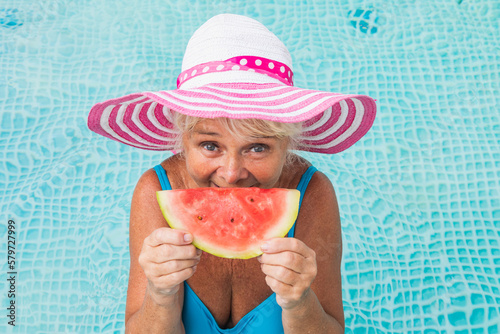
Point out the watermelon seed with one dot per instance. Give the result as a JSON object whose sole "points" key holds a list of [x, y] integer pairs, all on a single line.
{"points": [[200, 218], [232, 220], [251, 200]]}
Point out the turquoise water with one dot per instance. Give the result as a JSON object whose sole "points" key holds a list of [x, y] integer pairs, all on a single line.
{"points": [[419, 195]]}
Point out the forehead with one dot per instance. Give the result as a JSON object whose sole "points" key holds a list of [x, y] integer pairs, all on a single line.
{"points": [[208, 126], [233, 128]]}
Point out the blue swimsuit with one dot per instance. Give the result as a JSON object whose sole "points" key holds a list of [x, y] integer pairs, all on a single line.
{"points": [[264, 319]]}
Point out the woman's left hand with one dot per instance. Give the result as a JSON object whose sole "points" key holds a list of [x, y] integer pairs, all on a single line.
{"points": [[290, 268]]}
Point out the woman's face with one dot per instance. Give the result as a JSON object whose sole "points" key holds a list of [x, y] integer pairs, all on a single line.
{"points": [[216, 159]]}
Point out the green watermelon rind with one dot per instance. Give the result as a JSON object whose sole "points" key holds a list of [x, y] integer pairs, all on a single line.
{"points": [[280, 229]]}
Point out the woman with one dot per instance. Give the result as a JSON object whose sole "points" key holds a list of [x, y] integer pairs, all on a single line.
{"points": [[235, 117]]}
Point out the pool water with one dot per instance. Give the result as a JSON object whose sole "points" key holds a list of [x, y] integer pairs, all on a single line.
{"points": [[419, 195]]}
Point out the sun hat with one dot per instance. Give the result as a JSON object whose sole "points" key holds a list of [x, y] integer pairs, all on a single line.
{"points": [[235, 67]]}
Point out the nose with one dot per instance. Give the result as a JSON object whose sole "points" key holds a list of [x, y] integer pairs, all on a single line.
{"points": [[233, 169]]}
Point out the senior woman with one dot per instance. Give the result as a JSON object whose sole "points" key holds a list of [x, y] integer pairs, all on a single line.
{"points": [[235, 119]]}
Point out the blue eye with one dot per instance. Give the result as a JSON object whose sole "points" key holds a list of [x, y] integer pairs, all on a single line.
{"points": [[259, 148], [209, 146]]}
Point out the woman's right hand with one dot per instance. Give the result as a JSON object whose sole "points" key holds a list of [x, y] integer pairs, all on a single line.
{"points": [[168, 258]]}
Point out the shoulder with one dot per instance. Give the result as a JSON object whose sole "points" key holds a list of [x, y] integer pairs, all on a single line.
{"points": [[150, 183], [144, 202], [319, 215], [144, 207], [320, 186], [293, 172], [145, 189]]}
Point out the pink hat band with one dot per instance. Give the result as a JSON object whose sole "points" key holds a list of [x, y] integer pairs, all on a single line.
{"points": [[271, 68]]}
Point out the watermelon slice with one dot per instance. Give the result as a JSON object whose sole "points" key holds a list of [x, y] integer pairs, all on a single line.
{"points": [[230, 222]]}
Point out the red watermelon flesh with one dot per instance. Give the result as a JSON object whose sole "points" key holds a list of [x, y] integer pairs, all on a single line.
{"points": [[231, 222]]}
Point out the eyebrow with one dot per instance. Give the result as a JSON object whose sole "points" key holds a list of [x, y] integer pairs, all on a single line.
{"points": [[216, 134], [207, 133]]}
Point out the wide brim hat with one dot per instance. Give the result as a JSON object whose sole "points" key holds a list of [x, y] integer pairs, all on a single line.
{"points": [[235, 67]]}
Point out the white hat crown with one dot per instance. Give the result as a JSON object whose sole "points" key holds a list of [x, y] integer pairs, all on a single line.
{"points": [[226, 36]]}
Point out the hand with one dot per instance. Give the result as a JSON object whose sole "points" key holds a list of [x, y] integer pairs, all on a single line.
{"points": [[290, 268], [168, 258]]}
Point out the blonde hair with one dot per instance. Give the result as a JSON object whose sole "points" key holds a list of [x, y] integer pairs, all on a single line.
{"points": [[242, 129]]}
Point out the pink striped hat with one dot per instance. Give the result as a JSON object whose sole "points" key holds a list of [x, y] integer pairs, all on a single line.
{"points": [[235, 67]]}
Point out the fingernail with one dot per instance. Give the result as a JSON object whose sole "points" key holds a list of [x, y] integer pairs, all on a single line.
{"points": [[188, 238], [264, 247]]}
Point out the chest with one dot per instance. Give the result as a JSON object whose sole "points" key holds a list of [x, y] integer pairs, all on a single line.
{"points": [[229, 288]]}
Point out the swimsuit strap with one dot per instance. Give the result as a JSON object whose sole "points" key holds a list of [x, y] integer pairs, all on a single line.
{"points": [[302, 186], [162, 176]]}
